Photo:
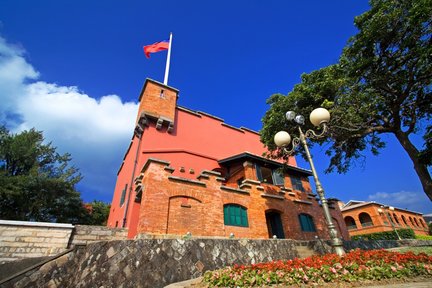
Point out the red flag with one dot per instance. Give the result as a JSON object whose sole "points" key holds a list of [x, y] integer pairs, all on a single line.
{"points": [[156, 47]]}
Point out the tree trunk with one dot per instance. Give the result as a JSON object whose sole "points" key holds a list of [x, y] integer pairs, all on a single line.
{"points": [[421, 170]]}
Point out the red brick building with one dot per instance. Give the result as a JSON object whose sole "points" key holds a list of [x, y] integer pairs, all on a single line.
{"points": [[188, 171], [363, 217]]}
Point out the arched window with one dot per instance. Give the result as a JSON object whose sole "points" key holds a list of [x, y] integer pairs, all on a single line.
{"points": [[365, 219], [306, 223], [350, 223], [422, 223], [235, 215], [404, 220], [396, 218], [412, 223], [416, 223]]}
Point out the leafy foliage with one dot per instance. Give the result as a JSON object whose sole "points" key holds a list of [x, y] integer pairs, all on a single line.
{"points": [[355, 266], [381, 84], [387, 235], [423, 237], [98, 212], [36, 182]]}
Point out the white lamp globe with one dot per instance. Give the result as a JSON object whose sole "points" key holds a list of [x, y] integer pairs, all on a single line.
{"points": [[290, 115], [282, 139], [319, 116]]}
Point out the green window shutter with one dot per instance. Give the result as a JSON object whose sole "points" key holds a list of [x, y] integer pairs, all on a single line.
{"points": [[235, 215], [226, 215], [312, 225], [306, 223], [238, 211], [302, 224], [244, 220]]}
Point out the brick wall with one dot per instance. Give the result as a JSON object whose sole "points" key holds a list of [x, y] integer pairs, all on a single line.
{"points": [[371, 218], [20, 239], [177, 205], [158, 104]]}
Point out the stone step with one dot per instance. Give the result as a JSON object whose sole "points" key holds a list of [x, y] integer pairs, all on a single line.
{"points": [[304, 251]]}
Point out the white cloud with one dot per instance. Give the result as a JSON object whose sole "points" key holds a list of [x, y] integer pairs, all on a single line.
{"points": [[95, 131], [414, 201]]}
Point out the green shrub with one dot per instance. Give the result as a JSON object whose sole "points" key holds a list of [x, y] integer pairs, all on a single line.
{"points": [[423, 237], [388, 235]]}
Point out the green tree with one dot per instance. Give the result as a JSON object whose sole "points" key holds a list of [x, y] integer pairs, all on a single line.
{"points": [[36, 182], [381, 84], [98, 212]]}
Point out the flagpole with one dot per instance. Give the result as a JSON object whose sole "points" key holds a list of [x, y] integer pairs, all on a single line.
{"points": [[168, 61]]}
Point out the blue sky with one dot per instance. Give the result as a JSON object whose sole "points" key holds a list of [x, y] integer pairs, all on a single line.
{"points": [[74, 69]]}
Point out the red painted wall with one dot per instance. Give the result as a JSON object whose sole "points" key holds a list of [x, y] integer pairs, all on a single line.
{"points": [[196, 142]]}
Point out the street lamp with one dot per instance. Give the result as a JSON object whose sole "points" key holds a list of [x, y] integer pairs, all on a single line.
{"points": [[319, 118], [387, 214]]}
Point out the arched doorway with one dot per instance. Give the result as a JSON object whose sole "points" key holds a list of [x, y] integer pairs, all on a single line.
{"points": [[365, 219], [350, 223], [274, 224]]}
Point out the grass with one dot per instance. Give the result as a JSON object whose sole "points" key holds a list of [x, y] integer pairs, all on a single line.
{"points": [[415, 250]]}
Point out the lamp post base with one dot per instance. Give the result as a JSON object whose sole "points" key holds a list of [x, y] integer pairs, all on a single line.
{"points": [[337, 245]]}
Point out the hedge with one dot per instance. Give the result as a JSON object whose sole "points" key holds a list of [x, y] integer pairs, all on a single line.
{"points": [[388, 235], [424, 237]]}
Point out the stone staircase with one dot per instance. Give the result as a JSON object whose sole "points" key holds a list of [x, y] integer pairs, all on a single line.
{"points": [[304, 251]]}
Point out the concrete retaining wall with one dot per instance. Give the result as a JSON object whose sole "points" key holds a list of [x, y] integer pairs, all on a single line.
{"points": [[21, 239], [84, 234]]}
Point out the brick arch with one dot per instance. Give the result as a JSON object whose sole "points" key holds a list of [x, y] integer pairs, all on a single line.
{"points": [[411, 221], [365, 219], [189, 194], [350, 222], [404, 220], [422, 223], [235, 203], [184, 195], [185, 215], [395, 217], [280, 211], [234, 199]]}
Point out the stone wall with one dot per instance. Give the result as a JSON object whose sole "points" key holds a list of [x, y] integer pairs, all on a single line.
{"points": [[84, 234], [159, 262], [150, 262], [20, 239]]}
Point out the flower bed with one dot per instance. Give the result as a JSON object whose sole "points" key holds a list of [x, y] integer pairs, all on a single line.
{"points": [[358, 265]]}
